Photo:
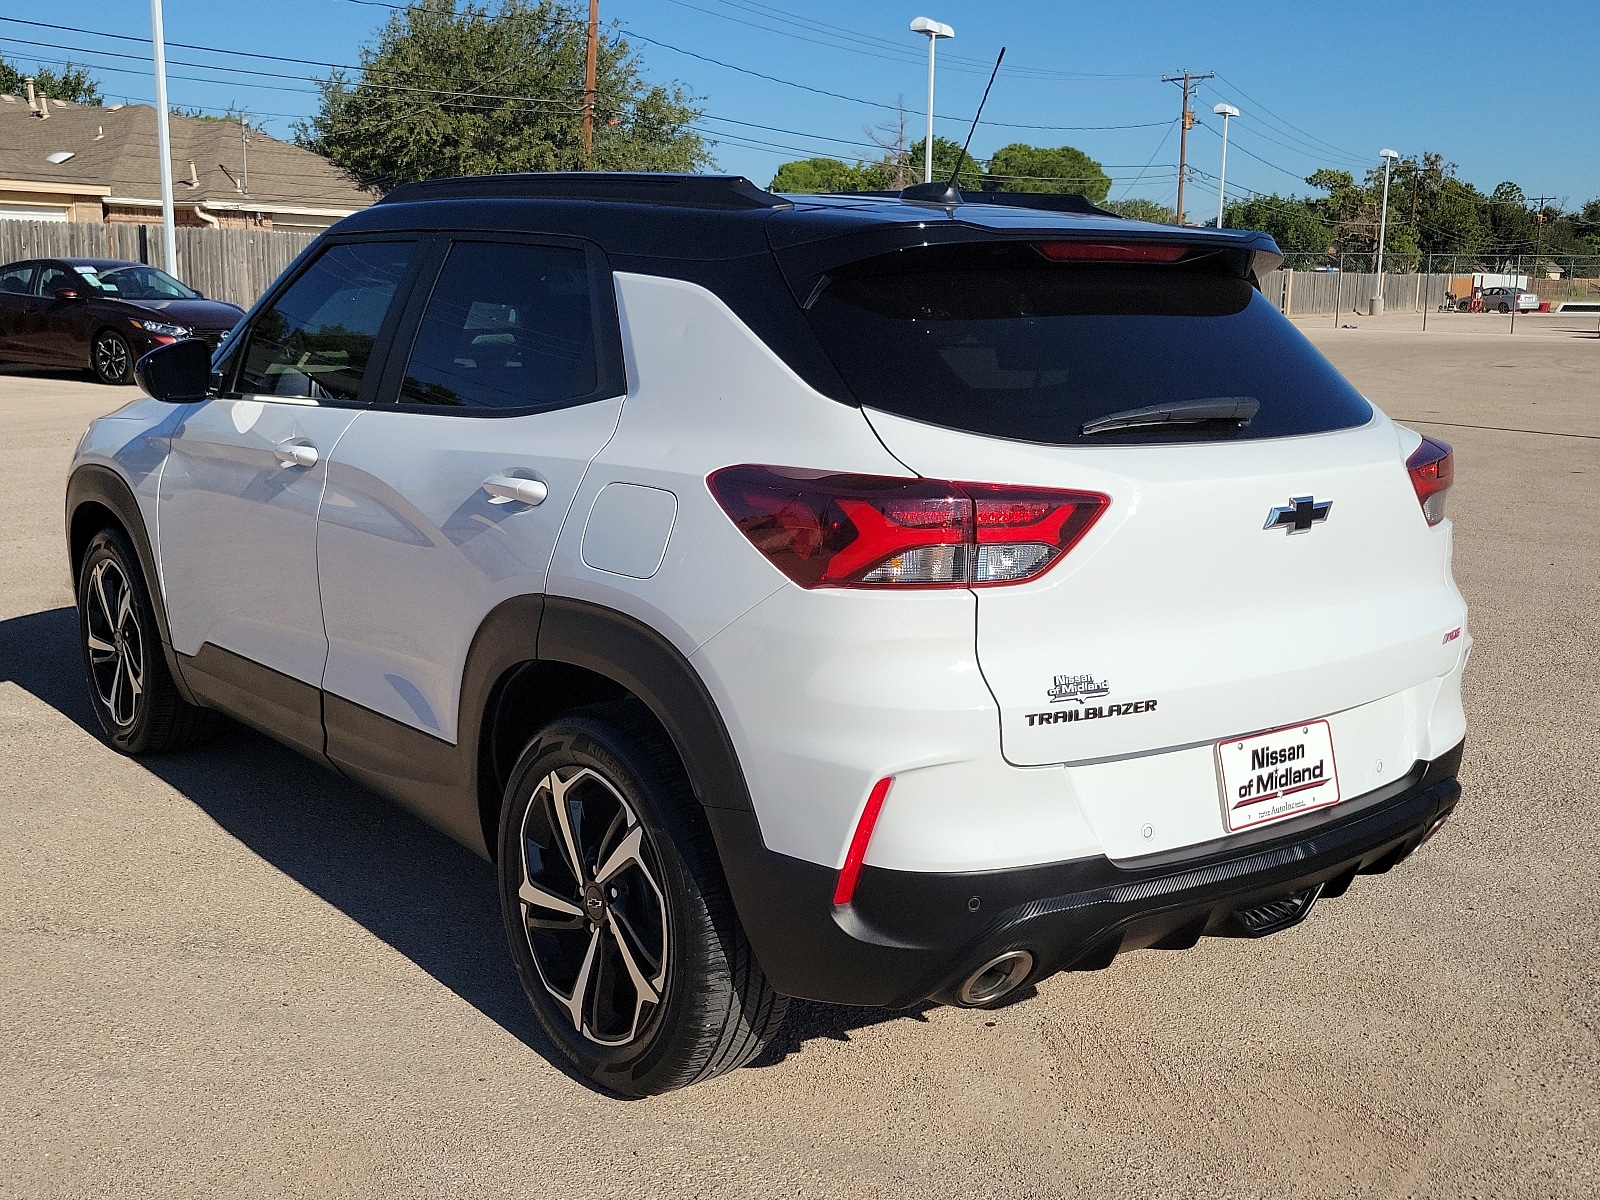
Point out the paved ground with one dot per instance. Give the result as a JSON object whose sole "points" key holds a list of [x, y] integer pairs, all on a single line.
{"points": [[231, 974]]}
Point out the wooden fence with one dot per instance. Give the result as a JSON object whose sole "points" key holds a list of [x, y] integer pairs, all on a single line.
{"points": [[236, 265], [1303, 293]]}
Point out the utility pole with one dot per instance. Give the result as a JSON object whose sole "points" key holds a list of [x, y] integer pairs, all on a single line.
{"points": [[1375, 309], [244, 151], [169, 236], [1538, 229], [1188, 82], [588, 82]]}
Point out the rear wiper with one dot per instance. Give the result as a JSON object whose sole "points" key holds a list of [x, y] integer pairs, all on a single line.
{"points": [[1235, 409]]}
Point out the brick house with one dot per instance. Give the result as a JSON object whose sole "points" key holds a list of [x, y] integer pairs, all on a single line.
{"points": [[76, 162]]}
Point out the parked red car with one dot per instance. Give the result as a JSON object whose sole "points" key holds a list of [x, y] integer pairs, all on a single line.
{"points": [[101, 313]]}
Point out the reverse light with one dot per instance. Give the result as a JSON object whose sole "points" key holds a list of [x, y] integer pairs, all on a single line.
{"points": [[1139, 252], [845, 889], [1432, 467], [867, 531]]}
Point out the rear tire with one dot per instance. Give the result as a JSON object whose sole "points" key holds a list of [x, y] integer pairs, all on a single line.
{"points": [[1504, 307], [617, 913], [111, 358], [133, 695]]}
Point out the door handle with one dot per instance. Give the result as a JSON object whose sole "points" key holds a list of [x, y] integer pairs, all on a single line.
{"points": [[296, 454], [504, 489]]}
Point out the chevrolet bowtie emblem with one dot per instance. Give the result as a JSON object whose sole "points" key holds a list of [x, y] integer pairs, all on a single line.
{"points": [[1299, 515]]}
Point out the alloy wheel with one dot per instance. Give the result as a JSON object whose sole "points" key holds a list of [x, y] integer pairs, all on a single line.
{"points": [[116, 643], [593, 911], [111, 358]]}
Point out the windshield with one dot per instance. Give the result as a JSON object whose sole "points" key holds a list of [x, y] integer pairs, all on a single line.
{"points": [[997, 339], [135, 283]]}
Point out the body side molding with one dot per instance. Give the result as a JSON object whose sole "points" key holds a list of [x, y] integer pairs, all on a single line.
{"points": [[278, 705]]}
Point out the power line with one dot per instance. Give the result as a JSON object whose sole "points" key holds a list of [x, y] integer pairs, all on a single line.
{"points": [[806, 87], [1159, 147], [1283, 121], [365, 82], [855, 42]]}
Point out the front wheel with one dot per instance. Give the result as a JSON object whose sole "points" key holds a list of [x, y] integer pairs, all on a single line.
{"points": [[111, 357], [618, 916], [133, 695]]}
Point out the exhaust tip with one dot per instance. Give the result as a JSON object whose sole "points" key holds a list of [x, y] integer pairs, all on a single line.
{"points": [[996, 978]]}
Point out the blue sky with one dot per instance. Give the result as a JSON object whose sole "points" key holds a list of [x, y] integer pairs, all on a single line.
{"points": [[1506, 91]]}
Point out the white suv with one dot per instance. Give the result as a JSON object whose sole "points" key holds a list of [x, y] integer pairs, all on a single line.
{"points": [[855, 598]]}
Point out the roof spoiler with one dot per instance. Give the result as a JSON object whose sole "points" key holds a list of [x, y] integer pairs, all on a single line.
{"points": [[948, 196], [727, 192]]}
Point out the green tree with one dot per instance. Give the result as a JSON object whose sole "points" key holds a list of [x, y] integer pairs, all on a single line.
{"points": [[69, 83], [233, 116], [1292, 222], [819, 175], [1511, 221], [1141, 210], [1020, 167], [945, 156], [473, 91]]}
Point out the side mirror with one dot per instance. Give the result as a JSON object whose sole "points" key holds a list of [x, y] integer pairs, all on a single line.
{"points": [[179, 373], [66, 294]]}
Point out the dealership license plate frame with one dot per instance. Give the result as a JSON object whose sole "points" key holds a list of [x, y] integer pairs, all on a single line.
{"points": [[1235, 772]]}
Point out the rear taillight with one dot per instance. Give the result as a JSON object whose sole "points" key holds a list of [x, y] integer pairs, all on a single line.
{"points": [[866, 531], [1138, 252], [1432, 467]]}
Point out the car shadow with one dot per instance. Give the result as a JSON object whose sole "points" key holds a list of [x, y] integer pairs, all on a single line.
{"points": [[400, 879]]}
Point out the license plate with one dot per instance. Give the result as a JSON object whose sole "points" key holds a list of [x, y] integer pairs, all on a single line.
{"points": [[1270, 776]]}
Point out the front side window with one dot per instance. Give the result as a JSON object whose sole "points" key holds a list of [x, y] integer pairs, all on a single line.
{"points": [[52, 277], [317, 338], [508, 327]]}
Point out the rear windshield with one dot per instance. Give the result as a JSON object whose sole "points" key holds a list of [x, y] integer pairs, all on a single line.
{"points": [[998, 340]]}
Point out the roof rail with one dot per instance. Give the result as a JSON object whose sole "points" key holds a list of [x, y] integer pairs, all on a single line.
{"points": [[1069, 202], [618, 187]]}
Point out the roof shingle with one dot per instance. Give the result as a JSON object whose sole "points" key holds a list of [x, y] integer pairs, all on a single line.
{"points": [[115, 147]]}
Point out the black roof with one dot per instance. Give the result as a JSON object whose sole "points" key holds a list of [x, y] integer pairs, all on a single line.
{"points": [[712, 217]]}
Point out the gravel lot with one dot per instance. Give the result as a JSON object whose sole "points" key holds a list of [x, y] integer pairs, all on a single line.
{"points": [[231, 974]]}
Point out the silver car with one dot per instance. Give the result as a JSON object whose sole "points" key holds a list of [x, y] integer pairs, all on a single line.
{"points": [[1504, 299]]}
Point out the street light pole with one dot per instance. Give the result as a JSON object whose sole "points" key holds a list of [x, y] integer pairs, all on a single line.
{"points": [[169, 236], [1375, 309], [934, 31], [1225, 111]]}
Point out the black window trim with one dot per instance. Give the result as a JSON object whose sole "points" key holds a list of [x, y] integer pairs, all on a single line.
{"points": [[237, 347], [610, 374]]}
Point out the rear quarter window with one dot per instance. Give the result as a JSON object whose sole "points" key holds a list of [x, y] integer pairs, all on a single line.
{"points": [[996, 339]]}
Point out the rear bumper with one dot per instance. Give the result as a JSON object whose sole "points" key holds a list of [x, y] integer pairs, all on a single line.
{"points": [[908, 936]]}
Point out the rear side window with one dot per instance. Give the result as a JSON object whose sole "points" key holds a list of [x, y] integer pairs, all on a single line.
{"points": [[317, 338], [508, 327], [997, 339], [16, 279]]}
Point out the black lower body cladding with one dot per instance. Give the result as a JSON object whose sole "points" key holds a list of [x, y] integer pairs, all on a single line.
{"points": [[908, 936]]}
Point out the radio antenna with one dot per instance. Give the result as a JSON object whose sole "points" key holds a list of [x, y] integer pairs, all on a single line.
{"points": [[947, 193], [962, 161]]}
